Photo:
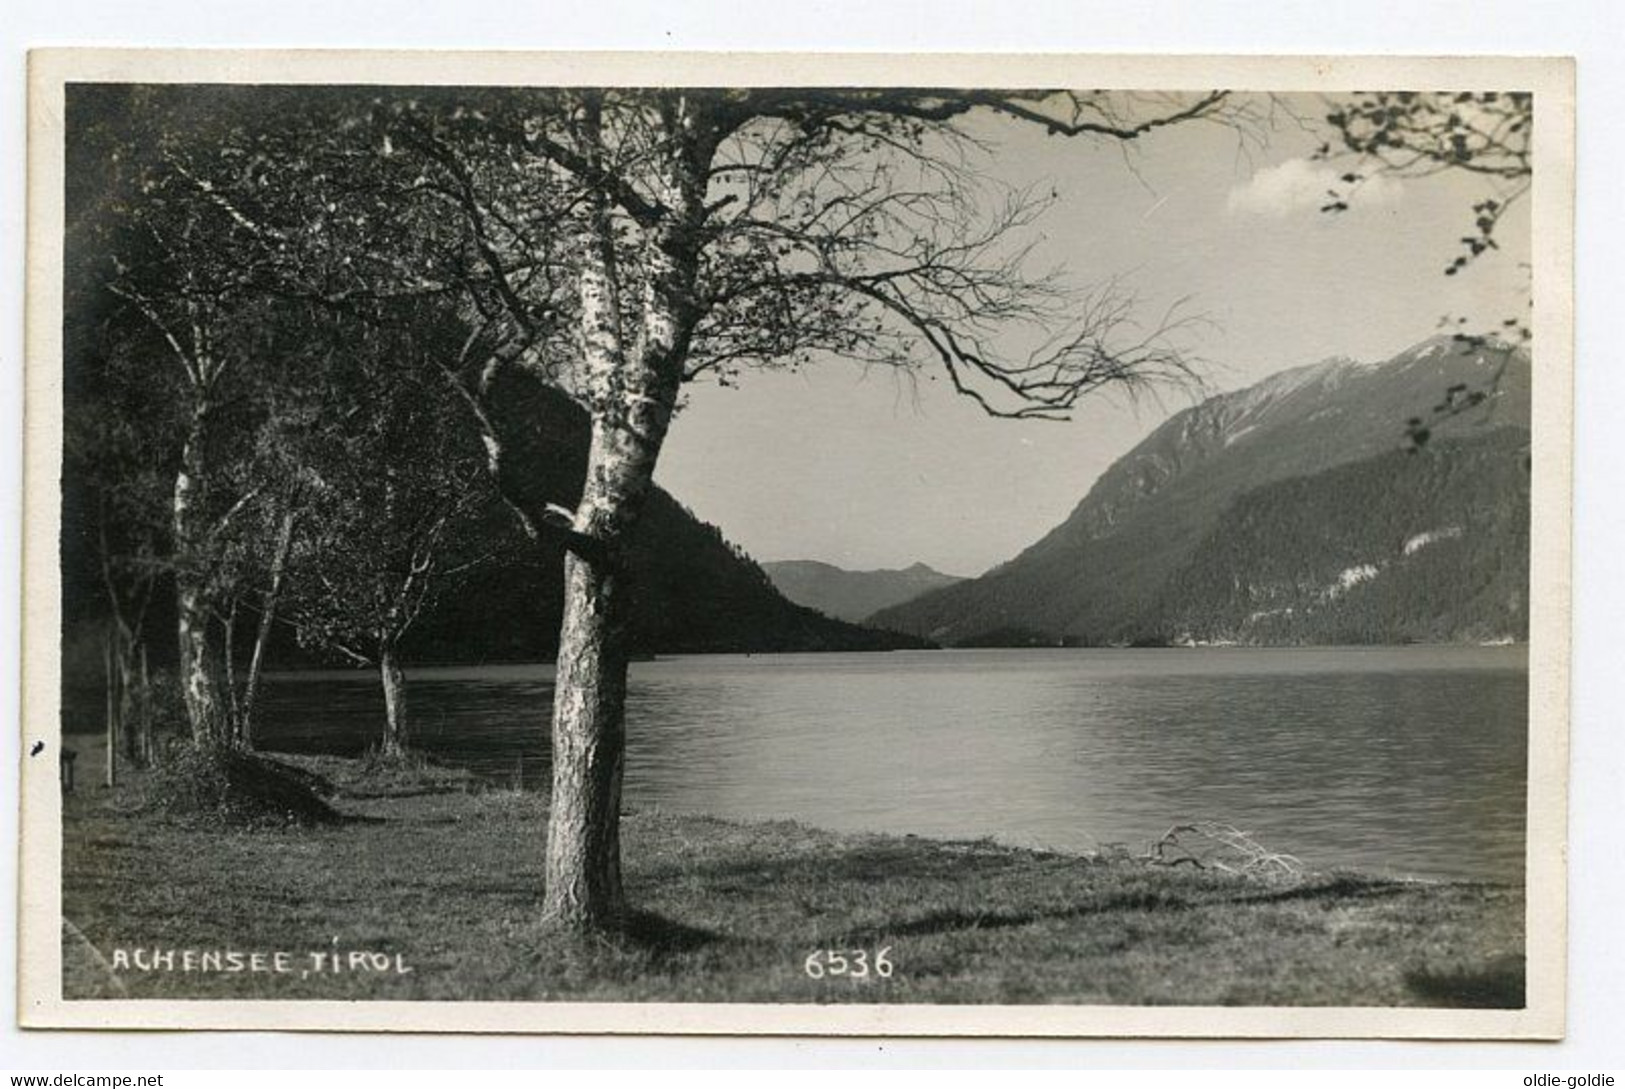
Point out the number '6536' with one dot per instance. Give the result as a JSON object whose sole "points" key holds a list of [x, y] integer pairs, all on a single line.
{"points": [[853, 963]]}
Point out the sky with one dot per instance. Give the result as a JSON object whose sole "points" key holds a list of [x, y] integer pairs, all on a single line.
{"points": [[877, 470]]}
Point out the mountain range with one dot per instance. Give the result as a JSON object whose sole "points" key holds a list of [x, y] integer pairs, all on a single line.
{"points": [[1288, 512], [852, 595], [1293, 511]]}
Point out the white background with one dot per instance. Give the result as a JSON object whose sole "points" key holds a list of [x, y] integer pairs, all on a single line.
{"points": [[1590, 31]]}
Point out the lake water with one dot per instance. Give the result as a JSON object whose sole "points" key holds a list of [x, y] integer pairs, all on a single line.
{"points": [[1405, 760]]}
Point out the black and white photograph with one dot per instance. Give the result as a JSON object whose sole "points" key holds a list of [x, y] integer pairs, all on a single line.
{"points": [[1048, 546]]}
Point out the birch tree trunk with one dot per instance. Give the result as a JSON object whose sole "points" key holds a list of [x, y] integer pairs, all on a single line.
{"points": [[200, 687], [129, 650], [632, 390], [583, 869], [583, 874], [132, 696], [389, 671], [279, 565], [143, 722], [228, 663], [112, 711]]}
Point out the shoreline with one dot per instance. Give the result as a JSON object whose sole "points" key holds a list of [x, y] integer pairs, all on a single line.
{"points": [[661, 656], [339, 670]]}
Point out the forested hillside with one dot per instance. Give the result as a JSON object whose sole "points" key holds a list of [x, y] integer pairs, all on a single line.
{"points": [[1113, 571], [1425, 547]]}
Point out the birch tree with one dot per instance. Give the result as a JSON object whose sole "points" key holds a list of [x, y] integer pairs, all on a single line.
{"points": [[115, 499], [619, 243], [397, 504], [178, 220], [708, 232], [198, 332]]}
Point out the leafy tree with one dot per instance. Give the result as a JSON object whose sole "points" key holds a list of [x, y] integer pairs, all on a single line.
{"points": [[707, 232], [192, 266], [114, 520], [398, 485], [117, 484], [1416, 134], [170, 256], [612, 244]]}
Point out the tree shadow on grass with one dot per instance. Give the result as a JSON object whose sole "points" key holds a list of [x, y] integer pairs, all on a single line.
{"points": [[955, 919], [1498, 985], [859, 865], [1341, 887], [1145, 900], [566, 961], [361, 794], [660, 936]]}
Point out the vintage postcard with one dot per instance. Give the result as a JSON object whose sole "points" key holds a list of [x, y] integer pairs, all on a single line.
{"points": [[909, 545]]}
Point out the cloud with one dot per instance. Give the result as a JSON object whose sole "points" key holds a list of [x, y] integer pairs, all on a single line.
{"points": [[1298, 185]]}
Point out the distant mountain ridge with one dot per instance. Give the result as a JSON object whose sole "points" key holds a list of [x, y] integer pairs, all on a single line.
{"points": [[852, 595], [1134, 562]]}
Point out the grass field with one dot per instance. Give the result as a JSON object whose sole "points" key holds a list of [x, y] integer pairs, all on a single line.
{"points": [[434, 874]]}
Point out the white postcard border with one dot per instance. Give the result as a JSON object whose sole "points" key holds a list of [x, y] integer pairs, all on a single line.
{"points": [[40, 1002]]}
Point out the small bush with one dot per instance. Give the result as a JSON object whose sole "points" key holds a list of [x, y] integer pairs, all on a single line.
{"points": [[236, 788]]}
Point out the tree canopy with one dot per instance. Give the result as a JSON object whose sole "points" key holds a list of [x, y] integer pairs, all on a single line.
{"points": [[326, 277]]}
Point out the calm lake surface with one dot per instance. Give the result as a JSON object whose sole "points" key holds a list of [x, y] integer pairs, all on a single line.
{"points": [[1404, 760]]}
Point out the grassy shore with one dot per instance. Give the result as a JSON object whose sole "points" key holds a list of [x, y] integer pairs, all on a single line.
{"points": [[434, 873]]}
